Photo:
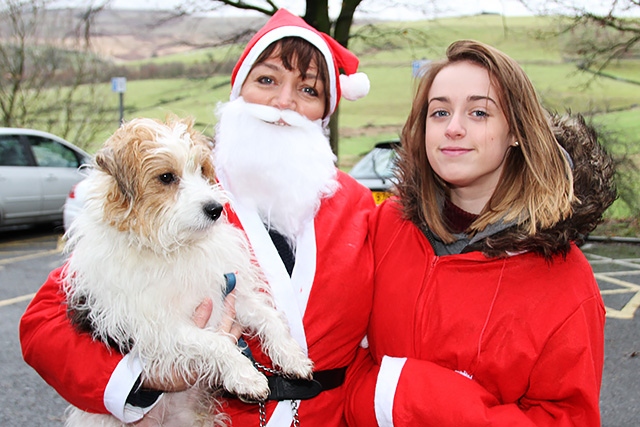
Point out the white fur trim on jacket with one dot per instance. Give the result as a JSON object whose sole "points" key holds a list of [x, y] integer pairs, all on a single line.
{"points": [[290, 302], [279, 281], [118, 388], [386, 385]]}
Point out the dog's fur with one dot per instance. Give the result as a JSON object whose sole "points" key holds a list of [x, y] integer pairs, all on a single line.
{"points": [[147, 249]]}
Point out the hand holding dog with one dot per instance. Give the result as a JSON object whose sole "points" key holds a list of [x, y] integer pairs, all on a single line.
{"points": [[201, 315], [228, 324]]}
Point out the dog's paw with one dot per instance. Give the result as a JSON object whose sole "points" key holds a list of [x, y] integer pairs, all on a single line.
{"points": [[291, 360], [295, 366], [251, 386]]}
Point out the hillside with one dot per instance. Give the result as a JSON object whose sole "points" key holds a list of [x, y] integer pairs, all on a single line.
{"points": [[125, 35]]}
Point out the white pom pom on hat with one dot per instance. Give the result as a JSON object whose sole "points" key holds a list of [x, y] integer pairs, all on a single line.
{"points": [[343, 81], [354, 86]]}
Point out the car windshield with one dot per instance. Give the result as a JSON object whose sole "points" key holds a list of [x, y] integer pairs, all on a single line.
{"points": [[378, 163]]}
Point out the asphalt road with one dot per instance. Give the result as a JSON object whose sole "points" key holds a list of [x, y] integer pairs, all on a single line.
{"points": [[27, 256]]}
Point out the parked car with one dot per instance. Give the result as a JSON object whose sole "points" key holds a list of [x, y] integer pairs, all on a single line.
{"points": [[376, 169], [37, 170], [73, 204]]}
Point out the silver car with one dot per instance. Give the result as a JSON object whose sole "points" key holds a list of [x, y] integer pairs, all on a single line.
{"points": [[37, 170], [376, 169]]}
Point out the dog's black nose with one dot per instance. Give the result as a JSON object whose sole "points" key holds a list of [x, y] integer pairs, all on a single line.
{"points": [[213, 210]]}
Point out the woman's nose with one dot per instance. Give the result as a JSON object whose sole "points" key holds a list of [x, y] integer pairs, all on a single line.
{"points": [[285, 98], [455, 128]]}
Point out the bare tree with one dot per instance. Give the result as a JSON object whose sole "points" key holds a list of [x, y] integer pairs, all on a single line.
{"points": [[50, 76], [597, 34]]}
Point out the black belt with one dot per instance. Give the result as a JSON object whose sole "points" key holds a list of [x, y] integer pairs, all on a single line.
{"points": [[281, 388], [331, 378]]}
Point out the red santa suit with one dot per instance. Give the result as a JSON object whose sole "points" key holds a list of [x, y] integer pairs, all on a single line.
{"points": [[331, 290], [466, 340]]}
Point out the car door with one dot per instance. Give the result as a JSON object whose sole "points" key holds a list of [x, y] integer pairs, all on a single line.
{"points": [[20, 184], [58, 167]]}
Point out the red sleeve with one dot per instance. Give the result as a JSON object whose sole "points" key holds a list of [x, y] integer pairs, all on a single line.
{"points": [[360, 389], [77, 367], [563, 392], [413, 404]]}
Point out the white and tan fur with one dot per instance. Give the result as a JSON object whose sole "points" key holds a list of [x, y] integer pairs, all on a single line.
{"points": [[145, 253]]}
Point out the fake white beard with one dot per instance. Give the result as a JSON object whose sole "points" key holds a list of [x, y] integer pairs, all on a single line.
{"points": [[282, 171]]}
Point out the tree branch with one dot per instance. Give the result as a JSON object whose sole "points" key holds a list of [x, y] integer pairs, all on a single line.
{"points": [[240, 4]]}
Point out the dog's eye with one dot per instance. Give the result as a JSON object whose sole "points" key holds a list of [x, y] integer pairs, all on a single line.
{"points": [[167, 178]]}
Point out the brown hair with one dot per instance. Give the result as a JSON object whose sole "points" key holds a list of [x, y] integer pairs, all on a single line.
{"points": [[536, 186], [297, 53]]}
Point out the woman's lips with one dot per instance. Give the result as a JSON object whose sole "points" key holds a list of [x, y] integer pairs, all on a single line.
{"points": [[454, 151], [280, 122]]}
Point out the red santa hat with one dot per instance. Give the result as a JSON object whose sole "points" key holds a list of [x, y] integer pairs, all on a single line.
{"points": [[343, 81]]}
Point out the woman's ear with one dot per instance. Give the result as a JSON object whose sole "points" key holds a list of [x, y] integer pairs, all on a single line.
{"points": [[513, 142]]}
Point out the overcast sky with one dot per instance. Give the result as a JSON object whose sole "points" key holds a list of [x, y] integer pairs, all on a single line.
{"points": [[392, 9]]}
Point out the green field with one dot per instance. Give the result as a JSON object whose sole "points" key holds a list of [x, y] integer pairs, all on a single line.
{"points": [[387, 61], [560, 85]]}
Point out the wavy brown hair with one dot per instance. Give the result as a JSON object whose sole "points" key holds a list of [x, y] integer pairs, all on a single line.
{"points": [[536, 187]]}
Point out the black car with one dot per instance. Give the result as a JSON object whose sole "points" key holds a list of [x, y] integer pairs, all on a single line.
{"points": [[376, 169]]}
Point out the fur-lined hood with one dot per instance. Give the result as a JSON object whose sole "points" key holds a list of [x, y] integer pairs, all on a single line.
{"points": [[594, 188]]}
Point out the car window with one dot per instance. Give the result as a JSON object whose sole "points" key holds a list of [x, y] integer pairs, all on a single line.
{"points": [[384, 162], [378, 163], [12, 152], [50, 153]]}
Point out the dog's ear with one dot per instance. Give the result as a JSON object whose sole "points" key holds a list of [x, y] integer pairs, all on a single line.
{"points": [[106, 161], [120, 192], [206, 157], [208, 171], [205, 146]]}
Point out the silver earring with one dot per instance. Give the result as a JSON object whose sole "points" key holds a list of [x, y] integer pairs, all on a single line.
{"points": [[516, 144]]}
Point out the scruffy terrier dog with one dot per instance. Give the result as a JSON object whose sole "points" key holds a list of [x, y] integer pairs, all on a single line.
{"points": [[151, 244]]}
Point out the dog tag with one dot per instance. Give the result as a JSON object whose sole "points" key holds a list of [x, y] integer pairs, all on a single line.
{"points": [[230, 280]]}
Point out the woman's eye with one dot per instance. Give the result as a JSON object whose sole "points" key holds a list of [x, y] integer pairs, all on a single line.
{"points": [[265, 80], [167, 178], [439, 113], [479, 113], [310, 91]]}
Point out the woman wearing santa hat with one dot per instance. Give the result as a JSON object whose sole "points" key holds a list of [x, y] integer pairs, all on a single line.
{"points": [[306, 222]]}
